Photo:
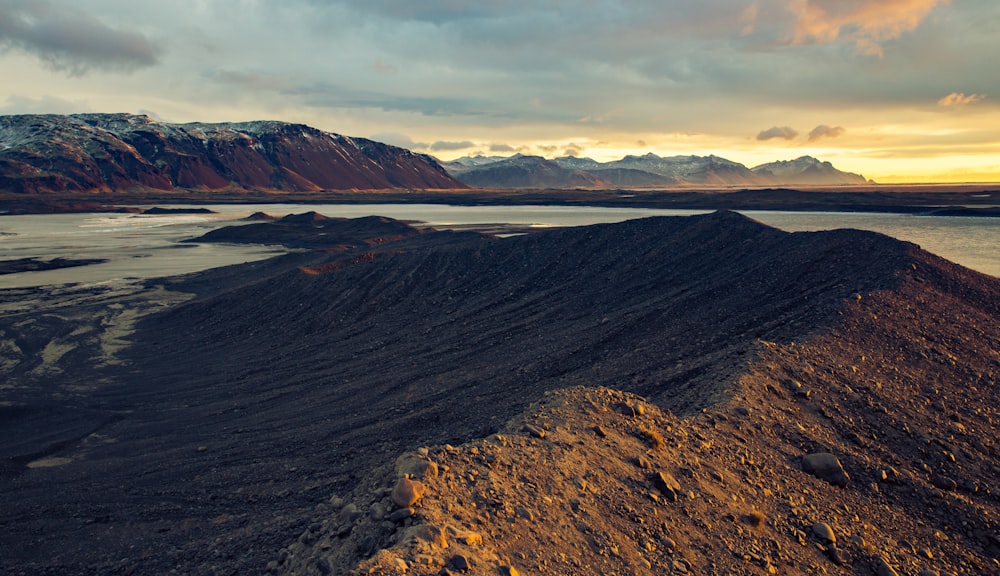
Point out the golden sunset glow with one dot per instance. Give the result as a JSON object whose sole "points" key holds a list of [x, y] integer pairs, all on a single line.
{"points": [[896, 90]]}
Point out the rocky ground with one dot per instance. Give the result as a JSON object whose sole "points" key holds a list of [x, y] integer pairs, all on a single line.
{"points": [[834, 455], [679, 395]]}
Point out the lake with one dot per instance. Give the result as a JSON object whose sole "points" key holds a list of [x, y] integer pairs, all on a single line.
{"points": [[147, 246]]}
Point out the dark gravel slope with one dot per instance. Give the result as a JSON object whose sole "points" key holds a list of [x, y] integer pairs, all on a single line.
{"points": [[242, 409]]}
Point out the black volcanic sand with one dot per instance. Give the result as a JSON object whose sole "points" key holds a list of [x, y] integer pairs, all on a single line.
{"points": [[156, 210], [251, 393], [930, 199], [36, 265]]}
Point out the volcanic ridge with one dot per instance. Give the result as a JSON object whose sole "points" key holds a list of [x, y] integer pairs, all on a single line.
{"points": [[681, 395]]}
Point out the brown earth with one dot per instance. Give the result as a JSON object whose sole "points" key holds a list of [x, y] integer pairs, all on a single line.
{"points": [[257, 424]]}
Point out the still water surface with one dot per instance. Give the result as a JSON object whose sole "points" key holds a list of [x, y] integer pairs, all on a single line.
{"points": [[147, 246]]}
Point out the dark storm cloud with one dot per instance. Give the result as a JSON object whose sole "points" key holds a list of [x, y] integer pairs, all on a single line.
{"points": [[330, 96], [489, 60], [70, 40], [824, 131], [249, 80], [783, 132]]}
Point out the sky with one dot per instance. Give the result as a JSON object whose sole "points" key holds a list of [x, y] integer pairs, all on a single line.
{"points": [[897, 90]]}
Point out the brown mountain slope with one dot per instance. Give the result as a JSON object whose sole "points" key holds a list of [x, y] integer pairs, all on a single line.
{"points": [[240, 411], [121, 152]]}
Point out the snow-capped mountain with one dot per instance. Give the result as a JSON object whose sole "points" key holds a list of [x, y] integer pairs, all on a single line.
{"points": [[807, 170], [520, 171], [106, 152], [646, 171]]}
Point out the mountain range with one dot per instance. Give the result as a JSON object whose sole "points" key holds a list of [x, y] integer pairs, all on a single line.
{"points": [[114, 152], [647, 171]]}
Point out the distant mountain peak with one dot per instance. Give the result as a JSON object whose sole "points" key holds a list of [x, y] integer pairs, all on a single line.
{"points": [[117, 151], [646, 171], [807, 170]]}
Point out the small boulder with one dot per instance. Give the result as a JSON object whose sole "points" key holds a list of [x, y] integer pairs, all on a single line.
{"points": [[826, 466], [458, 562], [413, 465], [824, 532], [407, 492]]}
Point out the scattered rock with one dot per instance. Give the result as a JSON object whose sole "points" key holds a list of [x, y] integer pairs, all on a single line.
{"points": [[943, 482], [507, 570], [469, 538], [401, 514], [837, 555], [534, 431], [826, 466], [882, 568], [667, 485], [425, 533]]}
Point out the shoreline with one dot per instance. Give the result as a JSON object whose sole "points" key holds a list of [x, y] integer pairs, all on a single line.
{"points": [[981, 200]]}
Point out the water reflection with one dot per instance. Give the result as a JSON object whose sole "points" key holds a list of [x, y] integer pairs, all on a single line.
{"points": [[146, 246]]}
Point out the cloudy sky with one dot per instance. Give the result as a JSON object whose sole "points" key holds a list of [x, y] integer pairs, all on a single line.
{"points": [[898, 90]]}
